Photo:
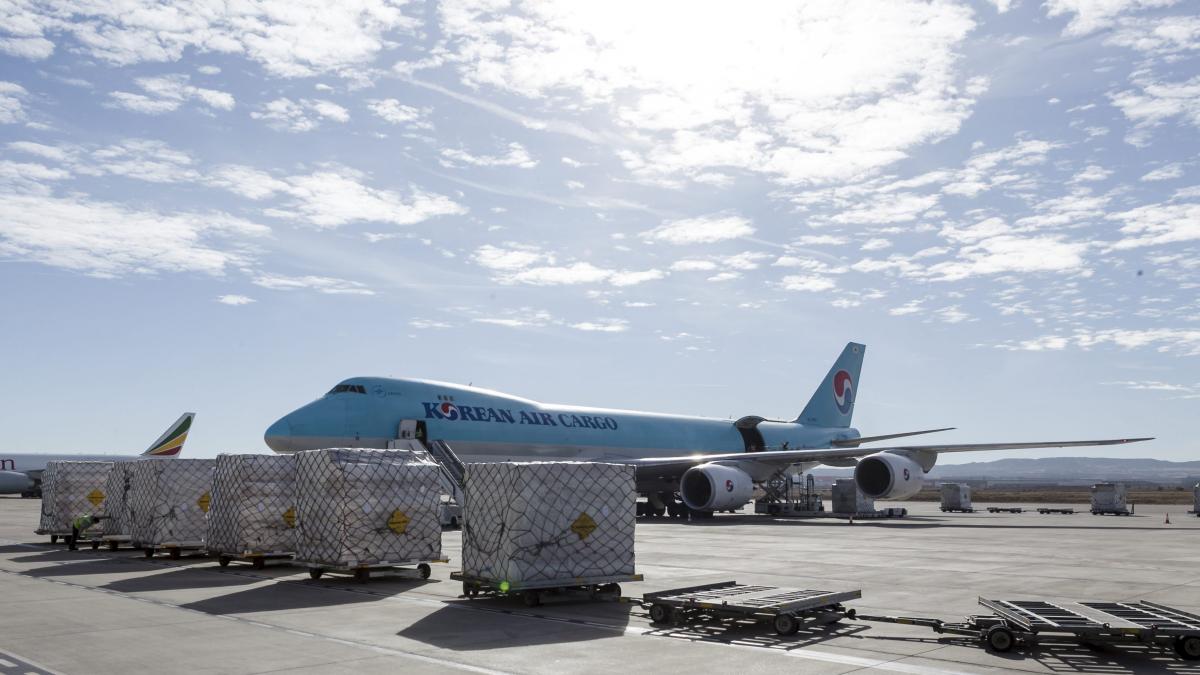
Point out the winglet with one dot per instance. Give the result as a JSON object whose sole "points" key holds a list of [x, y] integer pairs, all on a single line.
{"points": [[170, 444], [832, 405]]}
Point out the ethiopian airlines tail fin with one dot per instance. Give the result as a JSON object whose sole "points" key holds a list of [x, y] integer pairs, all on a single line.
{"points": [[832, 405], [170, 444]]}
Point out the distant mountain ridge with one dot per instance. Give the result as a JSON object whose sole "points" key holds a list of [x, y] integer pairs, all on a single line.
{"points": [[1059, 469]]}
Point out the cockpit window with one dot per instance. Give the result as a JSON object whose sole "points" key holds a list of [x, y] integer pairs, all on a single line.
{"points": [[348, 388]]}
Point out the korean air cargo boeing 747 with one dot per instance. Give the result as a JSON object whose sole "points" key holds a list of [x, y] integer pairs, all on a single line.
{"points": [[711, 464]]}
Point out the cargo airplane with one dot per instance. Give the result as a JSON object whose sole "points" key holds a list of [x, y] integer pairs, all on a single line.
{"points": [[22, 473], [709, 464]]}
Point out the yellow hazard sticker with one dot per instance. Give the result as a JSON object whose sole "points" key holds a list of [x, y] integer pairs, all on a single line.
{"points": [[583, 526], [204, 502], [95, 497], [398, 523], [289, 517]]}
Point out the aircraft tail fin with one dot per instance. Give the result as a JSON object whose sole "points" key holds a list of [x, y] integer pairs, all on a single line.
{"points": [[170, 444], [832, 405]]}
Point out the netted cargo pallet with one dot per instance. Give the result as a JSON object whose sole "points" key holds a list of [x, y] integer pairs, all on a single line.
{"points": [[363, 510], [547, 525], [253, 513], [75, 489], [114, 530], [168, 500]]}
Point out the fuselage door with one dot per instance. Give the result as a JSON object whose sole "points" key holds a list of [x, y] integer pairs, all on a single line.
{"points": [[748, 427]]}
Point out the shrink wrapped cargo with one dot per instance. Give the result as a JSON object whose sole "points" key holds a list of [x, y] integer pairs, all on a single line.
{"points": [[117, 505], [359, 508], [847, 498], [1109, 498], [253, 505], [956, 497], [548, 521], [71, 489], [168, 499]]}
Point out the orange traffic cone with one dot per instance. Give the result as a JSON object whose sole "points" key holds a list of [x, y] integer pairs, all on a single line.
{"points": [[1168, 520]]}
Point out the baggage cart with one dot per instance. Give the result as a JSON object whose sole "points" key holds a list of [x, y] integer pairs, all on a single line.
{"points": [[785, 609], [1005, 509], [1045, 510], [362, 573], [1033, 622], [532, 592]]}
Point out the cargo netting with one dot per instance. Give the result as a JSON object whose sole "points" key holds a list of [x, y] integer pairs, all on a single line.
{"points": [[366, 507], [117, 505], [168, 499], [548, 521], [71, 489], [253, 505]]}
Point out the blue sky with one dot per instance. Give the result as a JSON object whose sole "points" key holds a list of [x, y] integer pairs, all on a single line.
{"points": [[680, 207]]}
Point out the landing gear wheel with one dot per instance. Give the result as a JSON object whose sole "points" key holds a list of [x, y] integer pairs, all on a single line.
{"points": [[999, 639], [424, 570], [96, 545], [531, 598], [224, 560], [176, 553], [362, 575], [786, 624], [259, 563], [54, 539], [315, 573], [660, 614], [1188, 647]]}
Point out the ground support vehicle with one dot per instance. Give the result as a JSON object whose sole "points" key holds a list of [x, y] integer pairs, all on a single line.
{"points": [[256, 559], [1005, 509], [533, 592], [1044, 510], [174, 549], [1033, 622], [947, 509], [1111, 512], [362, 573], [784, 609]]}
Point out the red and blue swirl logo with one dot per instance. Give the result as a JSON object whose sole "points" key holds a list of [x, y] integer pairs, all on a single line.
{"points": [[843, 392], [449, 411]]}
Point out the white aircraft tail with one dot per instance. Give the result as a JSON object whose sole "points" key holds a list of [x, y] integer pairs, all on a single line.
{"points": [[170, 444]]}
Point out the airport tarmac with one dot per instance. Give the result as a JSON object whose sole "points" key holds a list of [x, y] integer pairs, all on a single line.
{"points": [[115, 612]]}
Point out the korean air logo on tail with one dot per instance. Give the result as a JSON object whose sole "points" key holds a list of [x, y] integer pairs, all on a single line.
{"points": [[843, 392]]}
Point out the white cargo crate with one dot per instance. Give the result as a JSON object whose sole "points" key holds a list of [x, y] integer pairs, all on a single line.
{"points": [[168, 500], [73, 489], [956, 497], [536, 523], [1109, 498], [360, 509], [847, 498], [116, 527], [253, 512]]}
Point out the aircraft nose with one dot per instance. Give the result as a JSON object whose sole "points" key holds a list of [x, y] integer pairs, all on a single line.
{"points": [[278, 435]]}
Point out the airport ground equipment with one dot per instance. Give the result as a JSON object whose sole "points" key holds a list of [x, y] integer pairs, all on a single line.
{"points": [[174, 549], [1109, 498], [1196, 499], [363, 573], [1033, 622], [1046, 510], [168, 502], [956, 497], [71, 489], [532, 593], [1005, 509], [784, 496], [784, 609], [253, 512]]}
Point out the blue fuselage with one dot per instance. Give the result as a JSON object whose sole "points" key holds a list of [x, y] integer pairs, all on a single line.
{"points": [[483, 425]]}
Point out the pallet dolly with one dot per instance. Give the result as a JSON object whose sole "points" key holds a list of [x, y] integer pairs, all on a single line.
{"points": [[1005, 509], [786, 609], [1034, 621], [1045, 510], [532, 592]]}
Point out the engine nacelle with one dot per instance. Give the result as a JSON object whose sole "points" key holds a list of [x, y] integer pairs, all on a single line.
{"points": [[889, 476], [715, 487], [14, 482]]}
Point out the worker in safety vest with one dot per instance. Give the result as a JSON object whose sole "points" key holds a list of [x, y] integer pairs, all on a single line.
{"points": [[81, 525]]}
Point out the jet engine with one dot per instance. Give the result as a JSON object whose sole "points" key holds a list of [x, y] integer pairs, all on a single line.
{"points": [[14, 482], [888, 476], [715, 487]]}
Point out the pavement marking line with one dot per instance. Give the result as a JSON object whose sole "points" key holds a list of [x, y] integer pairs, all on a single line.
{"points": [[5, 663]]}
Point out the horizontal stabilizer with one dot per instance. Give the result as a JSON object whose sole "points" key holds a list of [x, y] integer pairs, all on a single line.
{"points": [[855, 442]]}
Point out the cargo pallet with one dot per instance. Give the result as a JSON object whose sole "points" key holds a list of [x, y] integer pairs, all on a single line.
{"points": [[785, 609], [362, 573], [1046, 511], [1031, 622], [968, 509], [1111, 512], [1005, 509], [531, 592], [113, 541], [257, 560], [55, 535], [173, 549]]}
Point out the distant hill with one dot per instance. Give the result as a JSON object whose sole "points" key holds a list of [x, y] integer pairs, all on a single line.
{"points": [[1060, 470]]}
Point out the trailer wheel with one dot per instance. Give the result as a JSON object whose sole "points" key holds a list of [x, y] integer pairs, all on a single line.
{"points": [[362, 575], [1188, 647], [786, 624], [424, 570], [112, 545], [96, 545], [999, 639], [531, 598], [148, 552], [54, 539], [660, 614], [315, 573], [224, 560], [259, 563], [176, 553]]}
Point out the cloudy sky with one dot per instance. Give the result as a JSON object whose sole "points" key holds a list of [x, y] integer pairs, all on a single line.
{"points": [[676, 206]]}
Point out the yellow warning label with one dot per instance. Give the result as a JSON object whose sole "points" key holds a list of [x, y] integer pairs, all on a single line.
{"points": [[583, 526], [95, 497], [289, 517], [398, 523], [204, 502]]}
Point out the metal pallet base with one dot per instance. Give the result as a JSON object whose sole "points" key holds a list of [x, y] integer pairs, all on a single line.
{"points": [[532, 592], [785, 608]]}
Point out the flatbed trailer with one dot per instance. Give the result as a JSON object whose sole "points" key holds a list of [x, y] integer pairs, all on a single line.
{"points": [[1031, 622], [1046, 510], [362, 573], [965, 509], [1111, 512], [258, 560], [113, 541], [1005, 509], [532, 592], [174, 549], [785, 609]]}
